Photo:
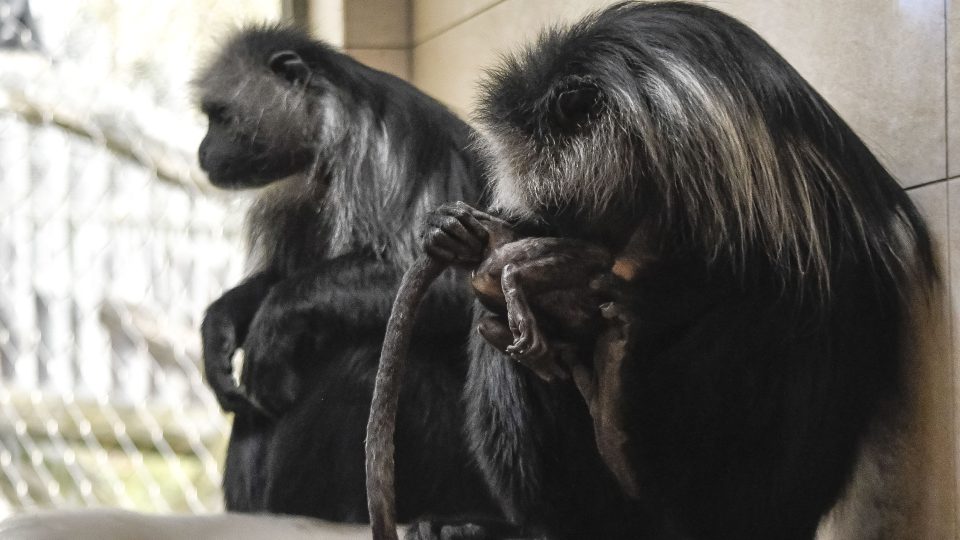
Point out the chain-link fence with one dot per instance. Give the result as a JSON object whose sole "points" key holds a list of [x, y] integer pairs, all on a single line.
{"points": [[111, 246]]}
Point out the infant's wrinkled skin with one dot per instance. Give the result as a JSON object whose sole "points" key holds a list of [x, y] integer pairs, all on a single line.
{"points": [[528, 283]]}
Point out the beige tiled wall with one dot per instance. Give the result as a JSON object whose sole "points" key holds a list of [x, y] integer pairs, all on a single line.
{"points": [[449, 59], [393, 61], [953, 275], [953, 87], [892, 70], [378, 33], [879, 63], [434, 17]]}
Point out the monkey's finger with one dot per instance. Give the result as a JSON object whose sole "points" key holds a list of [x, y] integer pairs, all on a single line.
{"points": [[517, 348], [219, 345], [221, 382], [218, 370], [458, 208], [479, 215], [476, 221], [473, 219], [462, 251], [536, 347], [453, 224], [476, 228], [532, 351], [456, 228], [440, 245]]}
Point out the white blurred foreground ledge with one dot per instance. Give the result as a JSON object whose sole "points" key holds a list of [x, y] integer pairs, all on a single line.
{"points": [[122, 525]]}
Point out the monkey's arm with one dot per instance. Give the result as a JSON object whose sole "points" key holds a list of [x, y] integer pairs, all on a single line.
{"points": [[224, 327], [601, 385], [348, 296]]}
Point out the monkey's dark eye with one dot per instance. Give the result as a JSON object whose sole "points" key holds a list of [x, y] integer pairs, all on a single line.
{"points": [[573, 107], [216, 113]]}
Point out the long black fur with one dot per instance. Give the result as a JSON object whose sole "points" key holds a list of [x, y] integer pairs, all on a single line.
{"points": [[351, 158], [782, 257]]}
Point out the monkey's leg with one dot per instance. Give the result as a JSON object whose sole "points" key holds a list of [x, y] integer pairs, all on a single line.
{"points": [[529, 343], [498, 333], [224, 328], [578, 262], [569, 265]]}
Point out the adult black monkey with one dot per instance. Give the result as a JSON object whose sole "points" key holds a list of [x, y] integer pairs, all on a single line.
{"points": [[351, 158], [766, 321]]}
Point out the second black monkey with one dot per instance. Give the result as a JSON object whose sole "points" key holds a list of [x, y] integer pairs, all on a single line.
{"points": [[352, 159], [770, 351]]}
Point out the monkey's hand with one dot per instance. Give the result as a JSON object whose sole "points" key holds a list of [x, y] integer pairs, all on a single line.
{"points": [[269, 381], [219, 336], [224, 328], [457, 233]]}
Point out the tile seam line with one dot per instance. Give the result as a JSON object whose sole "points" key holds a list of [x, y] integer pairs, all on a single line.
{"points": [[952, 344], [454, 24], [951, 312], [355, 48], [928, 183], [946, 86]]}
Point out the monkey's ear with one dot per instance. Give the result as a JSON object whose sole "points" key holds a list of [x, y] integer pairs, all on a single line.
{"points": [[290, 66]]}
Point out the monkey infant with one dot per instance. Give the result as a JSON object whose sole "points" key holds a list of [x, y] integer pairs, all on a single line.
{"points": [[548, 284], [536, 283]]}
